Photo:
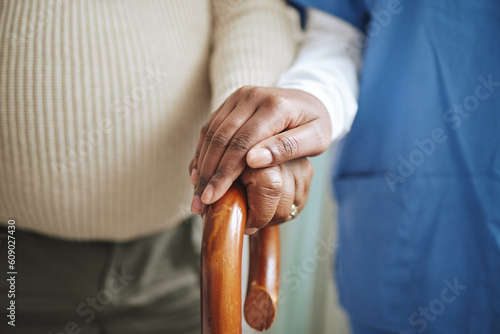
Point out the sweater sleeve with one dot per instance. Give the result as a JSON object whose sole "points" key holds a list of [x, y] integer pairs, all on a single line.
{"points": [[254, 41]]}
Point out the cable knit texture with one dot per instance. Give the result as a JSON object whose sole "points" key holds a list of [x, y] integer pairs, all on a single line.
{"points": [[101, 102]]}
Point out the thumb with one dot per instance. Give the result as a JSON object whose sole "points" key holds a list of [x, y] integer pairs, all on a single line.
{"points": [[304, 141]]}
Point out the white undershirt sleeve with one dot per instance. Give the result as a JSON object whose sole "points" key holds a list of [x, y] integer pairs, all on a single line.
{"points": [[327, 67]]}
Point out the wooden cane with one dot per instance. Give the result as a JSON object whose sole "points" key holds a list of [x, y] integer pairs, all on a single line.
{"points": [[221, 258], [261, 302]]}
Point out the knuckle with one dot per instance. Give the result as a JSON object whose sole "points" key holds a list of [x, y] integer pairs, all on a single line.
{"points": [[232, 126], [275, 102], [272, 191], [289, 145], [274, 179], [266, 186], [240, 143], [220, 140], [254, 94], [209, 135]]}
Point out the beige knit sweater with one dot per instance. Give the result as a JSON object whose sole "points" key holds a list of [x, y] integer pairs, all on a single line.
{"points": [[101, 102]]}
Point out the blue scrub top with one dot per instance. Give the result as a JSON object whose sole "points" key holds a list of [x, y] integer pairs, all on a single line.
{"points": [[418, 177]]}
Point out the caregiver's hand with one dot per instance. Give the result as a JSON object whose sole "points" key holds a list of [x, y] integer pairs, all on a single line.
{"points": [[272, 125]]}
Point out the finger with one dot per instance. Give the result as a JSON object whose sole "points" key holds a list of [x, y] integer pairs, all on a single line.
{"points": [[303, 172], [240, 105], [266, 121], [304, 141], [212, 127], [197, 206], [203, 133], [297, 178], [213, 151], [193, 176], [264, 191], [240, 95], [193, 166], [282, 213]]}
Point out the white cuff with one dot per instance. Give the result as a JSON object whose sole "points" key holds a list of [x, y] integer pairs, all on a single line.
{"points": [[327, 68]]}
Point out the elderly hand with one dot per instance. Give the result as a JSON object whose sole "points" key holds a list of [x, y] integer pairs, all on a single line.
{"points": [[272, 191], [272, 125]]}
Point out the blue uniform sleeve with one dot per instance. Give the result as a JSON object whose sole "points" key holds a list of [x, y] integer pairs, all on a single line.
{"points": [[352, 11]]}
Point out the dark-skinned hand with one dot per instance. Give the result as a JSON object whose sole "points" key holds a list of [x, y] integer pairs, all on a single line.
{"points": [[271, 191], [256, 127]]}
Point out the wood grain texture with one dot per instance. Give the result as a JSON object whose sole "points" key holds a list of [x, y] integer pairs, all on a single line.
{"points": [[263, 281], [221, 253]]}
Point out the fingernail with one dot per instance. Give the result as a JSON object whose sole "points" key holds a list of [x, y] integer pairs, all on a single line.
{"points": [[194, 176], [251, 230], [197, 206], [260, 157], [207, 195]]}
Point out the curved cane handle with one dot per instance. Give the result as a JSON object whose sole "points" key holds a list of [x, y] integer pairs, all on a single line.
{"points": [[261, 303], [221, 253]]}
